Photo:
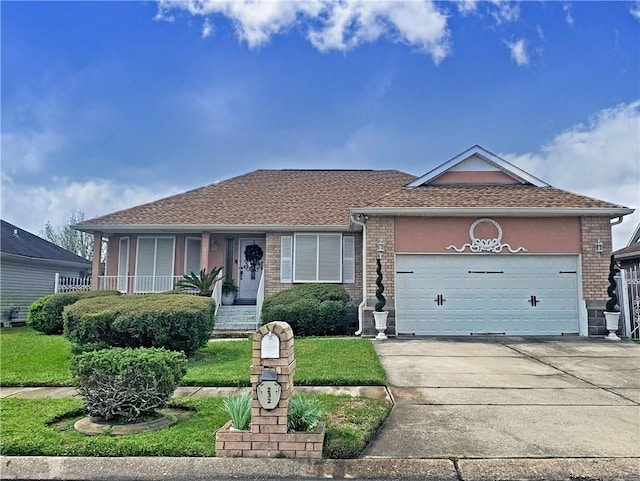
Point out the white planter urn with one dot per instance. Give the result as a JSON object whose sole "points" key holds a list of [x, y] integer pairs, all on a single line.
{"points": [[227, 299], [381, 324], [612, 319]]}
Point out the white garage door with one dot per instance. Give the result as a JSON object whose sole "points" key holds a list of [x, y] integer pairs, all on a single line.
{"points": [[486, 294]]}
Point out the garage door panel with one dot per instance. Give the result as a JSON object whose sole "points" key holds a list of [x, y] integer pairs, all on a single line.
{"points": [[486, 294]]}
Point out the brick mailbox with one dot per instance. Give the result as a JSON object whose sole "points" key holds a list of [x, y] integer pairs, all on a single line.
{"points": [[272, 372]]}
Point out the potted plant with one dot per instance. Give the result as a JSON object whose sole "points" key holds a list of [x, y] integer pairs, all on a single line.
{"points": [[612, 310], [379, 315], [229, 290]]}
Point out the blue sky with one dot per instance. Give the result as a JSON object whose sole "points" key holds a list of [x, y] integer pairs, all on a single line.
{"points": [[106, 105]]}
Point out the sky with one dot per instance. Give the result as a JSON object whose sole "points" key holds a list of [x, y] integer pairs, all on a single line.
{"points": [[106, 105]]}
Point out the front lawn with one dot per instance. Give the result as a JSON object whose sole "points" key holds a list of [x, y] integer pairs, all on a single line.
{"points": [[29, 358], [44, 427]]}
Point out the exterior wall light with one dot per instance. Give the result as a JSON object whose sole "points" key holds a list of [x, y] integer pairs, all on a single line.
{"points": [[380, 247], [599, 248]]}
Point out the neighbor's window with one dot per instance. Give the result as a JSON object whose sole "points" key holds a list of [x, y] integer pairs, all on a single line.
{"points": [[317, 258]]}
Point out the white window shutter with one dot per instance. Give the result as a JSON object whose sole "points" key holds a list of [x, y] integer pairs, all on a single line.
{"points": [[348, 259], [286, 259]]}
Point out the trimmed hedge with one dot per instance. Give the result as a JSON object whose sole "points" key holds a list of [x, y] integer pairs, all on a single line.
{"points": [[177, 322], [310, 309], [45, 314], [127, 383]]}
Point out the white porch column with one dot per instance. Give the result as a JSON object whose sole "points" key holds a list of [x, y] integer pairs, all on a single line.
{"points": [[204, 251], [95, 268]]}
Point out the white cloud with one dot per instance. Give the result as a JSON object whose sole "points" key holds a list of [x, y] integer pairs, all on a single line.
{"points": [[635, 10], [567, 10], [207, 28], [30, 207], [600, 159], [505, 11], [26, 152], [466, 7], [331, 25], [519, 52]]}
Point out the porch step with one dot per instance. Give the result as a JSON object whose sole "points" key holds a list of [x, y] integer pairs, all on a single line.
{"points": [[236, 318]]}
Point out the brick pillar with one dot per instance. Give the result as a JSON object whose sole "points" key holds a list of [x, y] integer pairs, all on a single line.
{"points": [[273, 421]]}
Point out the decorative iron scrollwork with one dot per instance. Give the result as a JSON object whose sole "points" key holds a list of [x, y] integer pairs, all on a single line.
{"points": [[486, 245]]}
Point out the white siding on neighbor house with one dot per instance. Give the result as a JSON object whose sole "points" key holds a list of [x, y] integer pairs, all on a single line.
{"points": [[22, 281]]}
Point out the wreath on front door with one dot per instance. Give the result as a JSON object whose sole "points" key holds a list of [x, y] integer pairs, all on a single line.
{"points": [[253, 257]]}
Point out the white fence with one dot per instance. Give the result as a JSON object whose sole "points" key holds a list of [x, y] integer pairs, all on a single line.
{"points": [[630, 300], [67, 284]]}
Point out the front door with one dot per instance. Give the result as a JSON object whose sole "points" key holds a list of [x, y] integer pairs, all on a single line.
{"points": [[250, 266]]}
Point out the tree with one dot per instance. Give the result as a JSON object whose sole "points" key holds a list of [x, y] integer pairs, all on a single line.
{"points": [[80, 243]]}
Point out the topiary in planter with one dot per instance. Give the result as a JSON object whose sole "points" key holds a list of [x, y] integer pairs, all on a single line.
{"points": [[612, 303], [380, 288], [127, 383]]}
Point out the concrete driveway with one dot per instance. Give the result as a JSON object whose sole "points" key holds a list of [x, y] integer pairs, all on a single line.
{"points": [[510, 398]]}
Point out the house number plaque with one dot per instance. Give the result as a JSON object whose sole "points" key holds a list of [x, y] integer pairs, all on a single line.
{"points": [[269, 390]]}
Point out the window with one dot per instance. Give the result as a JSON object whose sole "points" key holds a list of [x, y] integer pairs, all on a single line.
{"points": [[154, 264], [317, 258], [192, 250]]}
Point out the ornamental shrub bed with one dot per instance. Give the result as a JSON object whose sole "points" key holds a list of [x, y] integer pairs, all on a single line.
{"points": [[311, 310], [127, 383], [172, 321], [45, 314]]}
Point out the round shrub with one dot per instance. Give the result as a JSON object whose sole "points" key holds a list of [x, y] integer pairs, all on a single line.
{"points": [[47, 310], [310, 309], [127, 383], [171, 321], [35, 317]]}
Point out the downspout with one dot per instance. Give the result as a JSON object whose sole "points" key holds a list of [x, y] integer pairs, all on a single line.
{"points": [[355, 219], [619, 221]]}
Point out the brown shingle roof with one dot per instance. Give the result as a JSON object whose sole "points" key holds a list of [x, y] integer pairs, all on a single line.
{"points": [[630, 251], [324, 197], [266, 197], [489, 196]]}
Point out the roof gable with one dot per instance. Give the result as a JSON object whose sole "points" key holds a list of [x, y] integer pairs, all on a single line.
{"points": [[477, 166], [19, 242]]}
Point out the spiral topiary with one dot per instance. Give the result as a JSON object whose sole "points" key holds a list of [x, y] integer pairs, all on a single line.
{"points": [[380, 289], [612, 303]]}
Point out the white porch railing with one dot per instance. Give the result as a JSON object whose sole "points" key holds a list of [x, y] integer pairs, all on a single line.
{"points": [[138, 284], [259, 300], [67, 284], [216, 295], [629, 301]]}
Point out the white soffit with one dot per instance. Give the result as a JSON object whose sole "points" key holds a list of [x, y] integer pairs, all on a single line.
{"points": [[478, 159]]}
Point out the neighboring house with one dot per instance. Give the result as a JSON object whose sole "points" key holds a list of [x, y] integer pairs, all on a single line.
{"points": [[629, 256], [475, 246], [28, 265]]}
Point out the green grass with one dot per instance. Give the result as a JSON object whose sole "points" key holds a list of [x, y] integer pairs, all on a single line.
{"points": [[33, 359], [44, 427], [30, 358]]}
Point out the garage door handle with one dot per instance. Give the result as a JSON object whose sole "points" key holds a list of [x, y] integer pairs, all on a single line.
{"points": [[440, 299], [404, 272], [533, 301]]}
